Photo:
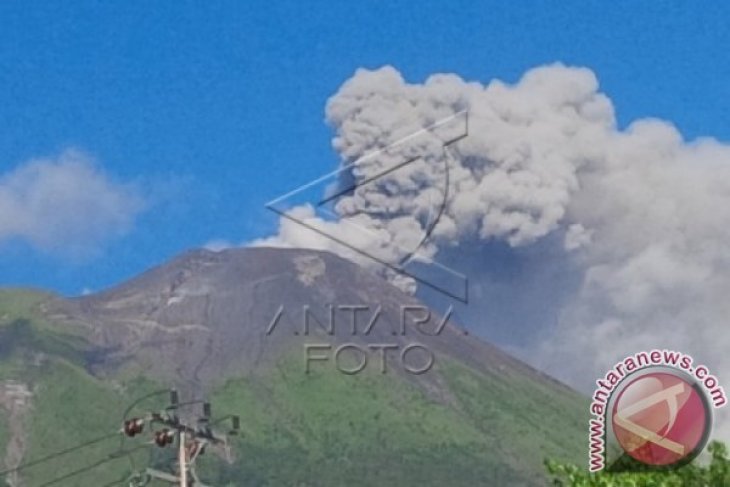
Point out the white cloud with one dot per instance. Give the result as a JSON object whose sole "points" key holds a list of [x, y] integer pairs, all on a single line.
{"points": [[65, 205], [360, 231]]}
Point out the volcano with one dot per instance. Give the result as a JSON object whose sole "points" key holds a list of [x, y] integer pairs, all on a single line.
{"points": [[339, 377]]}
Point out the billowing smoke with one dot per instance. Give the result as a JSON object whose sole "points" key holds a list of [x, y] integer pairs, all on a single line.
{"points": [[640, 216]]}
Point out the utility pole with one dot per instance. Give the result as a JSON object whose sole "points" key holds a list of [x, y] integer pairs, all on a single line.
{"points": [[182, 456], [192, 439]]}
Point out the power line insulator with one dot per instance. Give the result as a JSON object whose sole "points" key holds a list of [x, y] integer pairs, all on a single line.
{"points": [[133, 427], [174, 398], [164, 438], [235, 425]]}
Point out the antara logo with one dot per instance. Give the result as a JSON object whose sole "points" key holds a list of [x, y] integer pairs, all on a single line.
{"points": [[656, 406]]}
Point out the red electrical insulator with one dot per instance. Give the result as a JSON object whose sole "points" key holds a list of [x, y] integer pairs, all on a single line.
{"points": [[133, 427], [164, 438]]}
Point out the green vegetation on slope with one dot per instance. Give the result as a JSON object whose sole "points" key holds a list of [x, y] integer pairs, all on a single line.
{"points": [[68, 406], [329, 429], [19, 303], [318, 429], [71, 407], [528, 419]]}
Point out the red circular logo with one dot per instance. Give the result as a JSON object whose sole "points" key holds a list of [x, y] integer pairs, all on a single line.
{"points": [[661, 418]]}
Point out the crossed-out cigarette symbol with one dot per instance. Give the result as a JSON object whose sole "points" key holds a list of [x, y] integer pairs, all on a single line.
{"points": [[668, 395]]}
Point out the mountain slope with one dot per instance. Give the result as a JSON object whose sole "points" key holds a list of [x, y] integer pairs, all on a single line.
{"points": [[203, 322]]}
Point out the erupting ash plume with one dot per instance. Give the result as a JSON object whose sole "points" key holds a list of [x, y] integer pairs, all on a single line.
{"points": [[641, 215]]}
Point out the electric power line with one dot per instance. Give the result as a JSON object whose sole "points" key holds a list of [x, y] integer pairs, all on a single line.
{"points": [[81, 446], [188, 450], [57, 454], [111, 457]]}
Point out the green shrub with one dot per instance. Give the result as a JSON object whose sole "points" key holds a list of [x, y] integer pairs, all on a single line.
{"points": [[714, 474]]}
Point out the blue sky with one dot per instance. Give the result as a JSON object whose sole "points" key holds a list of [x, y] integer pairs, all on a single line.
{"points": [[213, 110]]}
